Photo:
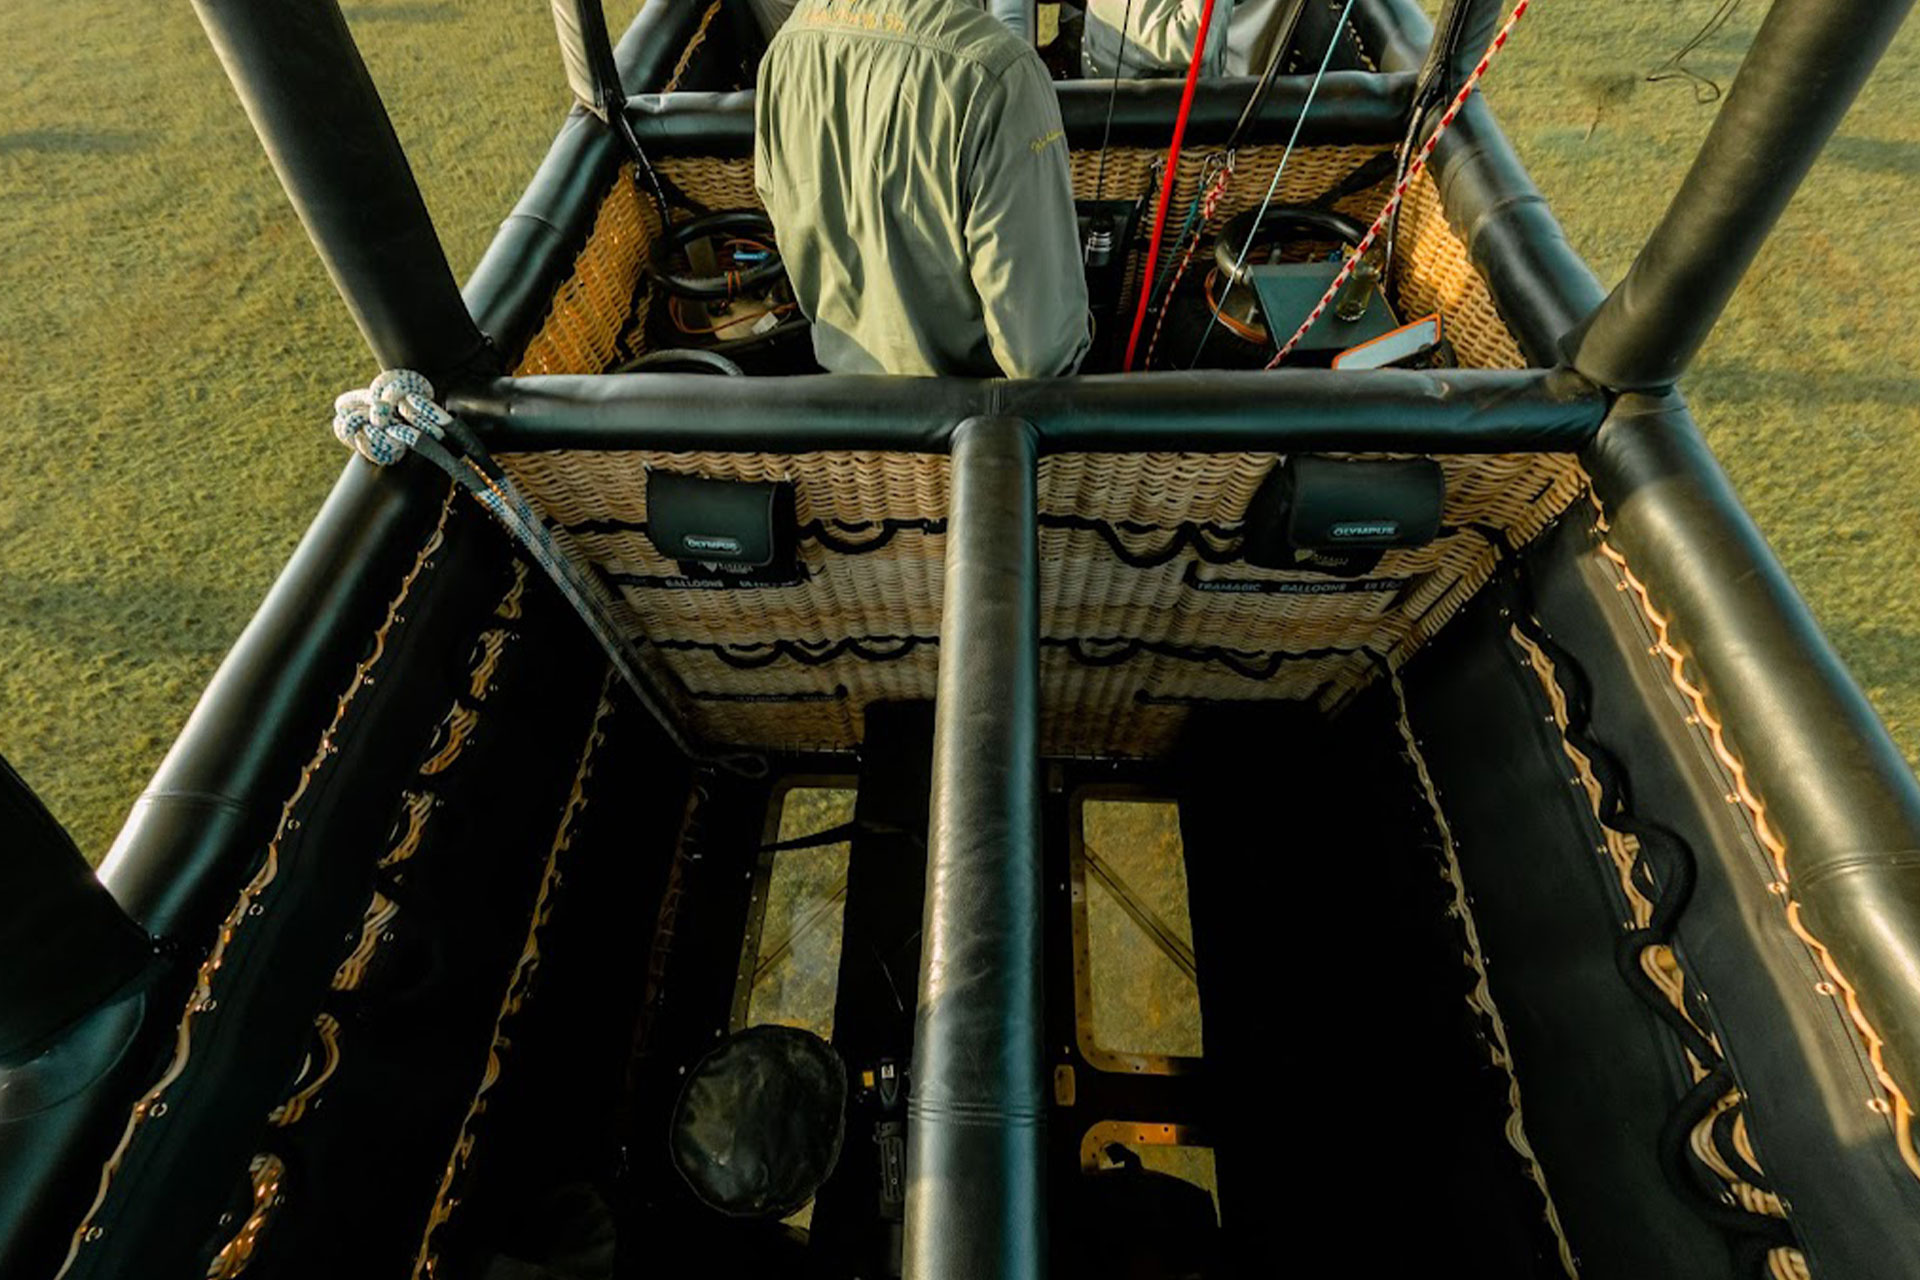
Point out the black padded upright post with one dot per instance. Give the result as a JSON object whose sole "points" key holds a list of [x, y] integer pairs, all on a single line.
{"points": [[66, 947], [1802, 73], [976, 1191], [321, 121]]}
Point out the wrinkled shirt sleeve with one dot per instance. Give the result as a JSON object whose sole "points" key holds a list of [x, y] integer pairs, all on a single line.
{"points": [[1023, 240]]}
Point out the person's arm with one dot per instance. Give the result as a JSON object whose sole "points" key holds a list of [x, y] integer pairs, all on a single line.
{"points": [[1023, 240], [1160, 34]]}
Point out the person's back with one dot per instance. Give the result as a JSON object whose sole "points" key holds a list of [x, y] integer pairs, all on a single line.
{"points": [[911, 156]]}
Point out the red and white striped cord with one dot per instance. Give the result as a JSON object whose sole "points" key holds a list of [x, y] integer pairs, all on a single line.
{"points": [[1209, 205], [1400, 190]]}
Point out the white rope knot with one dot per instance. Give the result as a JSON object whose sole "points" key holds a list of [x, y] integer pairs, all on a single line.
{"points": [[386, 419]]}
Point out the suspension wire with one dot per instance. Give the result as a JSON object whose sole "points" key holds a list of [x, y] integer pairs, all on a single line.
{"points": [[1705, 88], [1400, 188], [1113, 92], [1429, 93], [1253, 232], [1169, 178], [1282, 46]]}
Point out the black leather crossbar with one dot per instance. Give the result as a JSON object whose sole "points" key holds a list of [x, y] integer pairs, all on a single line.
{"points": [[1429, 411], [1351, 108], [976, 1194]]}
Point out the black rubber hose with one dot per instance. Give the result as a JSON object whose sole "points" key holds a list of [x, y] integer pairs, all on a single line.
{"points": [[683, 360], [745, 222]]}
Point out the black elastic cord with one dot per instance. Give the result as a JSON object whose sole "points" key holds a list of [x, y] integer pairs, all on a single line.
{"points": [[1665, 871]]}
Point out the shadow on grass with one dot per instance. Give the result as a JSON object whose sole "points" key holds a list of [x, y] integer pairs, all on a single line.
{"points": [[72, 142], [1875, 155], [109, 620], [402, 13], [1740, 382]]}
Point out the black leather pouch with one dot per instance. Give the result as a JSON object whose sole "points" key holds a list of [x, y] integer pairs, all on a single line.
{"points": [[1337, 516], [737, 527]]}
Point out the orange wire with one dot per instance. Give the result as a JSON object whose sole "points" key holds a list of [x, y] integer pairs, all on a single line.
{"points": [[673, 313], [1246, 333]]}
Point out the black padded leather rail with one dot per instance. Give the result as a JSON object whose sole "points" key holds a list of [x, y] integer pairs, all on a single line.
{"points": [[216, 796], [321, 121], [1805, 67], [194, 834], [976, 1190], [1836, 788], [1794, 1050], [1438, 411], [1540, 285], [1351, 108]]}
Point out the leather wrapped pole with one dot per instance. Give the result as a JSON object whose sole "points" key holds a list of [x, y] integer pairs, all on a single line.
{"points": [[975, 1169], [1803, 71], [321, 121]]}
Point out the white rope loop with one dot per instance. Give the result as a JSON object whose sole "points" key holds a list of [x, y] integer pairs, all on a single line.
{"points": [[386, 419], [397, 413]]}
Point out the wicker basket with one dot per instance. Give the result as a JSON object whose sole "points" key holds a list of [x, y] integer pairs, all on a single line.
{"points": [[1127, 651]]}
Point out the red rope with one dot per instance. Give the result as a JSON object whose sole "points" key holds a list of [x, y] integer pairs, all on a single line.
{"points": [[1393, 201], [1166, 184]]}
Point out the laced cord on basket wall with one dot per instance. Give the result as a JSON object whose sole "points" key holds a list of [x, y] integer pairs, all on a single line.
{"points": [[1663, 872]]}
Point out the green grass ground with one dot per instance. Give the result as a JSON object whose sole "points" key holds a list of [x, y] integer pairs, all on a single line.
{"points": [[172, 346]]}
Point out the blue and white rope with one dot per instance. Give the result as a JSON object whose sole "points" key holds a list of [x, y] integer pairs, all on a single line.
{"points": [[397, 415]]}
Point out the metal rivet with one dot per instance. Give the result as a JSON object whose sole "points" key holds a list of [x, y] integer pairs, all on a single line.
{"points": [[157, 1110], [1880, 1106], [1825, 988], [256, 910], [209, 1005], [94, 1233]]}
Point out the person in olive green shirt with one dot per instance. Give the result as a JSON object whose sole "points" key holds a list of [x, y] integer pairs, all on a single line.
{"points": [[911, 156]]}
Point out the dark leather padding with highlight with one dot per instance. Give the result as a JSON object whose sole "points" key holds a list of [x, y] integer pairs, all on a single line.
{"points": [[66, 947], [976, 1190], [1837, 790]]}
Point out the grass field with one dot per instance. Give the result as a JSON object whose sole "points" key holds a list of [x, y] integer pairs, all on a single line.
{"points": [[173, 346]]}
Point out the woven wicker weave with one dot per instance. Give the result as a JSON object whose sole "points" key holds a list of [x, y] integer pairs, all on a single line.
{"points": [[1106, 690]]}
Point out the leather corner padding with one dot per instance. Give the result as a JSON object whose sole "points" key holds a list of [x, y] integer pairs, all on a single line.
{"points": [[1834, 786], [66, 947]]}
